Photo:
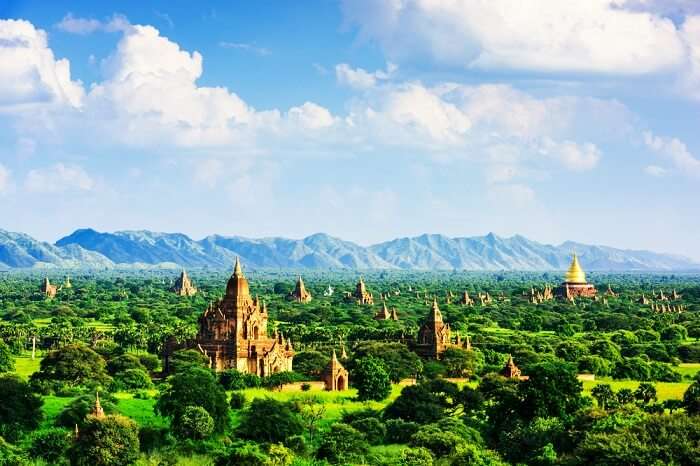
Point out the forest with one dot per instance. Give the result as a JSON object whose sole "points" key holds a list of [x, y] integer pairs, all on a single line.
{"points": [[609, 381]]}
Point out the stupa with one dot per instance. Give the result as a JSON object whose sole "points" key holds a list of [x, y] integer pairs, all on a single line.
{"points": [[575, 284]]}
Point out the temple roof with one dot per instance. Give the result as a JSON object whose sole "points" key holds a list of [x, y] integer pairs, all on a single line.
{"points": [[435, 314], [237, 285], [575, 274]]}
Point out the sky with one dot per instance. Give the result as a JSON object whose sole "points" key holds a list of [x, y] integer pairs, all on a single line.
{"points": [[364, 119]]}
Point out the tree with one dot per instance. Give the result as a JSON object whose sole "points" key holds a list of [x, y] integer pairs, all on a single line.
{"points": [[77, 410], [603, 394], [675, 332], [424, 403], [20, 409], [570, 350], [462, 363], [74, 365], [399, 362], [107, 441], [625, 396], [371, 379], [310, 363], [132, 379], [416, 457], [343, 444], [51, 445], [124, 362], [194, 386], [193, 423], [691, 398], [645, 393], [269, 420], [180, 360], [552, 390], [7, 361]]}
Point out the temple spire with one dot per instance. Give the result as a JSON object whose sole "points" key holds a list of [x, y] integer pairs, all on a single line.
{"points": [[237, 271]]}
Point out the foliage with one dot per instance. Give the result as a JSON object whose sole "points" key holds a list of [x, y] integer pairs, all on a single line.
{"points": [[73, 365], [108, 441], [20, 409], [373, 429], [398, 361], [462, 363], [417, 457], [237, 400], [371, 379], [194, 386], [132, 379], [51, 445], [77, 410], [194, 422], [269, 420], [7, 360], [342, 444]]}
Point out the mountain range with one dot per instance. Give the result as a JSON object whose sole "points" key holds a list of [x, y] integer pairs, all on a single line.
{"points": [[87, 248]]}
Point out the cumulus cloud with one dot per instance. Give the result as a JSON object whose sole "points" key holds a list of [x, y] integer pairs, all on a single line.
{"points": [[58, 178], [676, 151], [592, 36], [358, 78], [29, 73]]}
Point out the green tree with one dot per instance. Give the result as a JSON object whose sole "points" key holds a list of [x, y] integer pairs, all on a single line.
{"points": [[194, 422], [552, 390], [399, 362], [180, 360], [124, 362], [371, 379], [645, 393], [107, 441], [194, 386], [132, 379], [424, 403], [691, 398], [462, 363], [343, 444], [625, 396], [51, 445], [310, 363], [603, 394], [73, 365], [417, 457], [269, 420], [20, 409], [7, 361], [76, 411]]}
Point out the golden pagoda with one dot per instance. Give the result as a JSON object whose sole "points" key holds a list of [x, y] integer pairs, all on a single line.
{"points": [[575, 284]]}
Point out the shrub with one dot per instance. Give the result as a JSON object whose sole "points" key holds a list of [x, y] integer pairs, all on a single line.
{"points": [[7, 361], [76, 411], [400, 431], [439, 442], [417, 457], [305, 387], [343, 444], [269, 420], [154, 437], [124, 362], [50, 445], [373, 429], [150, 361], [20, 410], [232, 379], [132, 379], [194, 422], [371, 379], [112, 440], [297, 443], [237, 400]]}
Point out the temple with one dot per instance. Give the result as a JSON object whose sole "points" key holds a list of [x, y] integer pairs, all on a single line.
{"points": [[361, 294], [233, 333], [385, 314], [48, 289], [433, 336], [511, 371], [183, 285], [300, 294], [335, 376], [575, 284]]}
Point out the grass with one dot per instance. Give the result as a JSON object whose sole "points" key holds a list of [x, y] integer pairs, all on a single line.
{"points": [[25, 366], [688, 369], [664, 390]]}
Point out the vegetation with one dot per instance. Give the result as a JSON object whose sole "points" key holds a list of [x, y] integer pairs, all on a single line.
{"points": [[608, 382]]}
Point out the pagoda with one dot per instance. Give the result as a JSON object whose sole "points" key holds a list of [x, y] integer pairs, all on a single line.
{"points": [[433, 336], [575, 284], [300, 294], [361, 295], [233, 333], [48, 289], [335, 376], [510, 370], [183, 285]]}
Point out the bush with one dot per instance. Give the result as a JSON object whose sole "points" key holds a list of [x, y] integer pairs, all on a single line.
{"points": [[180, 360], [73, 365], [150, 361], [194, 422], [237, 400], [232, 379], [248, 454], [371, 379], [132, 379], [154, 438], [436, 440], [343, 444], [373, 429], [297, 443], [112, 440], [305, 387], [124, 362], [417, 457], [594, 365], [51, 445], [76, 411], [400, 431], [20, 409], [632, 368], [269, 420], [7, 361]]}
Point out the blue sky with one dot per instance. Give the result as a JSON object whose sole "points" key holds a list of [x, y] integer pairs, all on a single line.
{"points": [[365, 119]]}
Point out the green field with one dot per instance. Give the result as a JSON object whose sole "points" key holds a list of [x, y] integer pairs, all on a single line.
{"points": [[664, 390]]}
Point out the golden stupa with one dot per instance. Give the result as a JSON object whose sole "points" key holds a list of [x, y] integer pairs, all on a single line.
{"points": [[575, 284], [575, 274]]}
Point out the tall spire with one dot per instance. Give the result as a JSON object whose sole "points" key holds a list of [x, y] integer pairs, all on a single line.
{"points": [[237, 271], [97, 410]]}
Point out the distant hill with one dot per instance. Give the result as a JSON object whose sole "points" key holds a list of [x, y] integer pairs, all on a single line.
{"points": [[91, 249]]}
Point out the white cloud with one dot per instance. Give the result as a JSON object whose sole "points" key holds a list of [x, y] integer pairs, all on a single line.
{"points": [[4, 179], [29, 73], [262, 51], [58, 178], [358, 78], [576, 157], [84, 26], [594, 36], [676, 151], [310, 116], [655, 170]]}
